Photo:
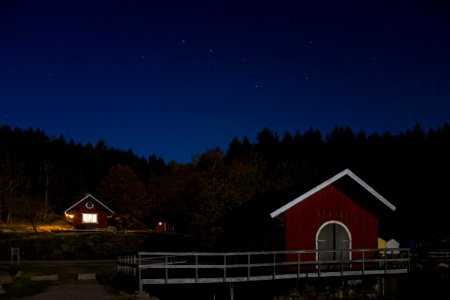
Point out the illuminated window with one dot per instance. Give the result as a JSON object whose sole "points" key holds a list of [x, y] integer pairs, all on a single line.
{"points": [[90, 218]]}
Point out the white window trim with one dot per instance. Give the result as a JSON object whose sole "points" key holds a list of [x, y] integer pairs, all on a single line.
{"points": [[87, 217]]}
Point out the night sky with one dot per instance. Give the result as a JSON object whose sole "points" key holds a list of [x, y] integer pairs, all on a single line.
{"points": [[176, 78]]}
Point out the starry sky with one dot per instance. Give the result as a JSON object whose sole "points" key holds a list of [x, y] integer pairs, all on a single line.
{"points": [[176, 78]]}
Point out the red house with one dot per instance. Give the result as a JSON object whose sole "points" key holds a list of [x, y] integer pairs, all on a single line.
{"points": [[341, 213], [89, 213]]}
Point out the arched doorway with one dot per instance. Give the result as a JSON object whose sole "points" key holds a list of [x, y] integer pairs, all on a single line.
{"points": [[333, 242]]}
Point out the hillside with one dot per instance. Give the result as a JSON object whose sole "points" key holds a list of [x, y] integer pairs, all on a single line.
{"points": [[87, 245]]}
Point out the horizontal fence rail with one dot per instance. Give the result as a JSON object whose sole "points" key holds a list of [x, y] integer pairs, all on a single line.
{"points": [[216, 267], [442, 256]]}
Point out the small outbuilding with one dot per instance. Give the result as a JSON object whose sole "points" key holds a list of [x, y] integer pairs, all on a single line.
{"points": [[341, 213], [89, 213]]}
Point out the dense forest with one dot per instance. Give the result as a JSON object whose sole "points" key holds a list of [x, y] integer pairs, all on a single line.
{"points": [[41, 176]]}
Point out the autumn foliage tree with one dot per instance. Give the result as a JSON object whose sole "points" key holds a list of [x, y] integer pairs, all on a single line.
{"points": [[124, 192]]}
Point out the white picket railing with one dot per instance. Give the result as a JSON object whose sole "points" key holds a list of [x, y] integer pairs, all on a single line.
{"points": [[212, 267]]}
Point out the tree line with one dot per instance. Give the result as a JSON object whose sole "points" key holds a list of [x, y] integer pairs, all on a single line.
{"points": [[41, 176]]}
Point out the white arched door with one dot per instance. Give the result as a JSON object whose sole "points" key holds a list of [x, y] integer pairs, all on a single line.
{"points": [[333, 243]]}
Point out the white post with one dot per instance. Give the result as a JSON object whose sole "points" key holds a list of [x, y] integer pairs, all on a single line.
{"points": [[231, 291], [167, 269], [248, 267], [224, 268], [141, 288], [15, 252], [196, 268]]}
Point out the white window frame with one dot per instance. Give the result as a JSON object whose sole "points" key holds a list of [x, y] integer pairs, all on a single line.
{"points": [[89, 218]]}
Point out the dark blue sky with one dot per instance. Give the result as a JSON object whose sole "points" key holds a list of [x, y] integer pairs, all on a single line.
{"points": [[176, 78]]}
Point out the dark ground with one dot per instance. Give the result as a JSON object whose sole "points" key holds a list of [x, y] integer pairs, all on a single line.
{"points": [[68, 284]]}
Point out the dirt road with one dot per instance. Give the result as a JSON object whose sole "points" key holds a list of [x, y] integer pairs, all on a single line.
{"points": [[63, 281], [82, 290]]}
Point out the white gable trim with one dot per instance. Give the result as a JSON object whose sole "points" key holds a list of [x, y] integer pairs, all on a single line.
{"points": [[325, 184], [89, 196]]}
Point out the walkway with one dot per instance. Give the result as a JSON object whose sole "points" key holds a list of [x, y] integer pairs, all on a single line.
{"points": [[228, 267], [89, 290], [68, 280]]}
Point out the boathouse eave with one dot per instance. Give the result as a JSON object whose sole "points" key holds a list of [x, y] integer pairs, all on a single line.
{"points": [[326, 183]]}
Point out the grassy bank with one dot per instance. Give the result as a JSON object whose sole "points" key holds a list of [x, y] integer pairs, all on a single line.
{"points": [[67, 254], [88, 245]]}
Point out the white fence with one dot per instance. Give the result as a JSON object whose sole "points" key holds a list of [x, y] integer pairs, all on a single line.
{"points": [[212, 267], [440, 256]]}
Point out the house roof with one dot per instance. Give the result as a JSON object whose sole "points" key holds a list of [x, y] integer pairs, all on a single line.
{"points": [[93, 198], [328, 182]]}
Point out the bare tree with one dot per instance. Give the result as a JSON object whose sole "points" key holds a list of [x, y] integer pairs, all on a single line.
{"points": [[46, 174], [30, 210], [11, 178]]}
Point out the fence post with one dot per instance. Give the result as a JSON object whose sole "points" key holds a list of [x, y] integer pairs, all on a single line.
{"points": [[409, 261], [196, 268], [363, 261], [118, 264], [318, 262], [15, 252], [231, 291], [225, 267], [166, 258], [385, 261], [141, 288], [248, 267], [274, 264]]}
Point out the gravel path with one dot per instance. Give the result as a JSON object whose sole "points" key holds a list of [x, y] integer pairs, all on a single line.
{"points": [[80, 290], [85, 290], [75, 280]]}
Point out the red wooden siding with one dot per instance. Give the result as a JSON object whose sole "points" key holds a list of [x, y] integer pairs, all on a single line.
{"points": [[303, 220]]}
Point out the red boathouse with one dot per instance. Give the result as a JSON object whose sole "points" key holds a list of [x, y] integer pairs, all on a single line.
{"points": [[341, 213]]}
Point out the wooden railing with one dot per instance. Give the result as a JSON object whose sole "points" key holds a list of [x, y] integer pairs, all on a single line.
{"points": [[439, 255], [212, 267], [431, 259]]}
